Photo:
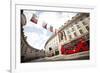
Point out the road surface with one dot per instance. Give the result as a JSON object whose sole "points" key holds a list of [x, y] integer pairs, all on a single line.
{"points": [[76, 56]]}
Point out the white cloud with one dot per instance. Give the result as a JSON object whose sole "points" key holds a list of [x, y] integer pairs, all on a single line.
{"points": [[37, 40]]}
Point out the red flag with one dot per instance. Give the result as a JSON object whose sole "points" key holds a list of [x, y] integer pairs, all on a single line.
{"points": [[34, 19], [44, 25]]}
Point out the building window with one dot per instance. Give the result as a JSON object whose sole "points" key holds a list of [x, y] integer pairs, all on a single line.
{"points": [[78, 26], [87, 15], [56, 52], [87, 27], [50, 49], [25, 51], [61, 35], [70, 36], [36, 50], [31, 51], [64, 35], [75, 22], [68, 32], [73, 29], [75, 34], [81, 19], [81, 32], [83, 23]]}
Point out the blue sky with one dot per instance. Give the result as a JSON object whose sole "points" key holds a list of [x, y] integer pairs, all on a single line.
{"points": [[36, 34]]}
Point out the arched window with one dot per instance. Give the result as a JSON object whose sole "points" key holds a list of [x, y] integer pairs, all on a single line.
{"points": [[50, 48]]}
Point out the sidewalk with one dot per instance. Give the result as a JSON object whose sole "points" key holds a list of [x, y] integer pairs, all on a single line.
{"points": [[72, 56]]}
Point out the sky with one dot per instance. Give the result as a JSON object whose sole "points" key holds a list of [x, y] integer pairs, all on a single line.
{"points": [[36, 34]]}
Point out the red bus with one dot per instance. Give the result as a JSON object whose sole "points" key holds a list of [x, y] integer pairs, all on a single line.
{"points": [[75, 46]]}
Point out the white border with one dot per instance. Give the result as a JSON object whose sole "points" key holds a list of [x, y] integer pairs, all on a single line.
{"points": [[17, 67]]}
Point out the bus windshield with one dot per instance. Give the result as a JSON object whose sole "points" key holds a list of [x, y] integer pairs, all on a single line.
{"points": [[71, 45]]}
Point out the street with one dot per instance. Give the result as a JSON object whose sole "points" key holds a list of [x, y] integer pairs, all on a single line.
{"points": [[76, 56]]}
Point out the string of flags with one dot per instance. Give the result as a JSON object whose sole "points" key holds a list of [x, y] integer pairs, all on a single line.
{"points": [[44, 25], [34, 19], [51, 29]]}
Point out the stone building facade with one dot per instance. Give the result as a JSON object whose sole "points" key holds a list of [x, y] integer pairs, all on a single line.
{"points": [[27, 52]]}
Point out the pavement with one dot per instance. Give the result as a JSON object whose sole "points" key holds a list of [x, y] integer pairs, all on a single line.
{"points": [[77, 56]]}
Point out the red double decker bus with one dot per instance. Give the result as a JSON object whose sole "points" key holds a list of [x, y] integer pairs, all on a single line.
{"points": [[75, 46]]}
